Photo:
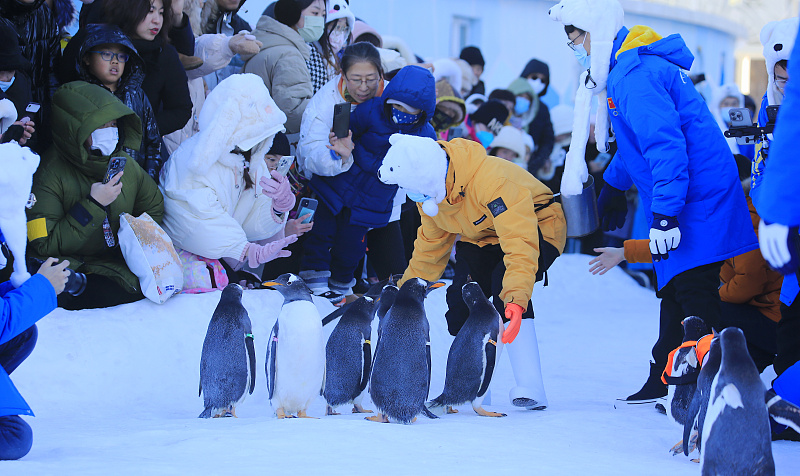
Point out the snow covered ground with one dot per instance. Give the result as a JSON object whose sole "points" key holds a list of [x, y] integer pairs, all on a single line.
{"points": [[115, 392]]}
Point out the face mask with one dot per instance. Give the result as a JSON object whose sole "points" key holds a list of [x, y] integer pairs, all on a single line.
{"points": [[724, 113], [485, 137], [522, 105], [313, 28], [442, 121], [337, 40], [583, 58], [521, 162], [105, 140], [400, 117], [537, 85], [4, 85], [417, 197]]}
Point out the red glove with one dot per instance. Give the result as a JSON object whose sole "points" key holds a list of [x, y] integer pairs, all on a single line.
{"points": [[279, 190], [259, 254], [513, 314]]}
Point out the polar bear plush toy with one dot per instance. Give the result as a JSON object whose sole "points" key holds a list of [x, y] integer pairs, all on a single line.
{"points": [[419, 166]]}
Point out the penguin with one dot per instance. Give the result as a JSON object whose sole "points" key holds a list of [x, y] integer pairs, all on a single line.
{"points": [[348, 356], [736, 434], [295, 364], [228, 361], [401, 372], [782, 411], [473, 355], [696, 414], [682, 377]]}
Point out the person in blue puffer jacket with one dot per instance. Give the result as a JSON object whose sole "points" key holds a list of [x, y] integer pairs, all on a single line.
{"points": [[355, 201], [20, 308], [671, 149]]}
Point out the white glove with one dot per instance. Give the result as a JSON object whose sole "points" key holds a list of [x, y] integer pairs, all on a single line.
{"points": [[665, 236], [774, 241]]}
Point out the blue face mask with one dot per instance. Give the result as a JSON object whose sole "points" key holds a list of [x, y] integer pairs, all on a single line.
{"points": [[4, 85], [417, 197], [522, 105], [485, 137], [583, 58], [400, 117]]}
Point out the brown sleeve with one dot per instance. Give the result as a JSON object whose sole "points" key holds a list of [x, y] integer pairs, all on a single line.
{"points": [[637, 251], [749, 279]]}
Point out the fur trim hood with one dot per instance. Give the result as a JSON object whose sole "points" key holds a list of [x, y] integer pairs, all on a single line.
{"points": [[777, 37]]}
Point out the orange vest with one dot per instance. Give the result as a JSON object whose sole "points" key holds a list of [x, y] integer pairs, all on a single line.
{"points": [[701, 348]]}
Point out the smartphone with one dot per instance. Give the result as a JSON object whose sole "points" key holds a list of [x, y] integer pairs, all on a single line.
{"points": [[32, 112], [307, 205], [284, 164], [740, 117], [115, 166], [341, 119]]}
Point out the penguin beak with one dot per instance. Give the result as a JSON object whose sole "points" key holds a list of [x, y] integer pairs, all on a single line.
{"points": [[436, 285], [271, 284]]}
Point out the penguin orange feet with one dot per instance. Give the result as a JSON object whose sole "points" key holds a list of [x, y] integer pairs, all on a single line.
{"points": [[678, 448], [359, 409], [329, 410], [480, 411], [281, 414], [450, 409], [379, 418], [302, 414]]}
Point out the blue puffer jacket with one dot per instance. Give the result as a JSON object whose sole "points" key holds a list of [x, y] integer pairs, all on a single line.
{"points": [[671, 148], [778, 192], [359, 189], [20, 309]]}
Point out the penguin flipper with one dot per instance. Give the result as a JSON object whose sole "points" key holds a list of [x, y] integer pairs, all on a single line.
{"points": [[272, 347], [367, 360], [782, 411], [251, 357], [490, 349], [335, 314], [691, 419]]}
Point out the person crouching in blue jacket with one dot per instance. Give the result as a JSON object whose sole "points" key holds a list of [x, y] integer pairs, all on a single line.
{"points": [[21, 308], [671, 149], [356, 201]]}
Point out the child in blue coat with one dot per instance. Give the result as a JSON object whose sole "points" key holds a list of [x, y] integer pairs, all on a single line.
{"points": [[19, 311], [356, 201]]}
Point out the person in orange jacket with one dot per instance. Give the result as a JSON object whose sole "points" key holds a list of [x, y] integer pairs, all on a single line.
{"points": [[510, 229], [749, 291]]}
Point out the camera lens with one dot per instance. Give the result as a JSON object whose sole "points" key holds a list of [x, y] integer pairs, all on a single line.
{"points": [[76, 283]]}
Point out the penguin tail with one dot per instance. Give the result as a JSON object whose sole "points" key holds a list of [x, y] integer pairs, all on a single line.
{"points": [[437, 402], [206, 413], [428, 413]]}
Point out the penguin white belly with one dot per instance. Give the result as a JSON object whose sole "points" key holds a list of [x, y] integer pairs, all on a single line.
{"points": [[300, 357]]}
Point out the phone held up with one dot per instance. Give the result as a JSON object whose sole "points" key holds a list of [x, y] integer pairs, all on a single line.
{"points": [[32, 112], [284, 164], [307, 205], [115, 166], [341, 120]]}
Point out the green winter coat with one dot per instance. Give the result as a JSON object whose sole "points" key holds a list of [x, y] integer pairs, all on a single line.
{"points": [[65, 223]]}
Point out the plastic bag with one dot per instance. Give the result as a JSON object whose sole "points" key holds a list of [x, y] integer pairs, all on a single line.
{"points": [[150, 255]]}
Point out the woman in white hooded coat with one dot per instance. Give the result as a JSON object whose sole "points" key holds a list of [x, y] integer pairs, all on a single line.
{"points": [[724, 98], [217, 203]]}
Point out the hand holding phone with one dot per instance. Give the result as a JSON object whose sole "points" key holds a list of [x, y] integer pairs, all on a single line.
{"points": [[115, 166], [106, 193], [341, 119], [307, 206], [284, 164], [31, 112]]}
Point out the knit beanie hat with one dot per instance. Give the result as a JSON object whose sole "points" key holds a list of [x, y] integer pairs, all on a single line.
{"points": [[502, 95], [445, 92], [536, 66], [492, 114], [11, 58], [280, 145], [472, 55], [510, 138], [288, 12], [777, 37]]}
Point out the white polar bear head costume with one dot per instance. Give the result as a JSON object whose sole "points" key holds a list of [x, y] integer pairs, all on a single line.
{"points": [[602, 19], [416, 164], [18, 165], [777, 37]]}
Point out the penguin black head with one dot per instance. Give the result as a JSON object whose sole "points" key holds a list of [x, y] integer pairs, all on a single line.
{"points": [[693, 328], [734, 349], [472, 294], [291, 286], [232, 292]]}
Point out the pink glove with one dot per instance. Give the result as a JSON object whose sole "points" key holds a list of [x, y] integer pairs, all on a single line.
{"points": [[259, 254], [279, 190]]}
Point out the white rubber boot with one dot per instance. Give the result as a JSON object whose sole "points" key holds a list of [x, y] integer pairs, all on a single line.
{"points": [[524, 356]]}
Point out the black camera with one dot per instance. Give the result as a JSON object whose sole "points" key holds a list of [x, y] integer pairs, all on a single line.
{"points": [[76, 282]]}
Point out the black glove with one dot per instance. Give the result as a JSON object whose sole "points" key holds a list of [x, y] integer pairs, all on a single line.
{"points": [[14, 132], [613, 207]]}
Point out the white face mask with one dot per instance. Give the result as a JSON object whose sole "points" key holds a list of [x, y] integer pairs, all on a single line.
{"points": [[337, 40], [537, 85], [105, 140]]}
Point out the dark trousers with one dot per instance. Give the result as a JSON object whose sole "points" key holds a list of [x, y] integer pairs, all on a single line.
{"points": [[100, 292], [16, 436], [334, 244], [484, 265], [410, 221], [385, 250], [695, 292], [759, 331], [788, 337]]}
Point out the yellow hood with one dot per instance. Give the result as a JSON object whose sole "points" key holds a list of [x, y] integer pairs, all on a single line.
{"points": [[639, 35]]}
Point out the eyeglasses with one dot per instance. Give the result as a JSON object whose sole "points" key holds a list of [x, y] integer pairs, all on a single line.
{"points": [[370, 82], [109, 55], [572, 43], [341, 29], [781, 83]]}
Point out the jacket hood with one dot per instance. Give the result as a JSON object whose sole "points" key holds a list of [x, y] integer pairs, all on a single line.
{"points": [[414, 86], [466, 158], [15, 7], [648, 42], [270, 32], [777, 38], [101, 34], [79, 108]]}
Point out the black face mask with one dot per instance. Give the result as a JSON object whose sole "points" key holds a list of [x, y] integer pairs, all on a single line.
{"points": [[441, 120]]}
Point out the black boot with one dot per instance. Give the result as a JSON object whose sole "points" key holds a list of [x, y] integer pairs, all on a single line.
{"points": [[653, 389]]}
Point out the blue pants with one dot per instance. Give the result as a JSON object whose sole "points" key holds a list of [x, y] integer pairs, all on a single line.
{"points": [[334, 245], [16, 436]]}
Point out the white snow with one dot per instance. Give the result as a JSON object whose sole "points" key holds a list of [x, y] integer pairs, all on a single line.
{"points": [[115, 392]]}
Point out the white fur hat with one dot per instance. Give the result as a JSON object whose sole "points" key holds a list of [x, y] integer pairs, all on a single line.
{"points": [[510, 138], [562, 116], [417, 164], [337, 9], [777, 37]]}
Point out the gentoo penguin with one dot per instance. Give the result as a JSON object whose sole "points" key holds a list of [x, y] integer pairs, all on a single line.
{"points": [[228, 362], [683, 369], [295, 351], [736, 433], [401, 372], [473, 355], [696, 415], [348, 356]]}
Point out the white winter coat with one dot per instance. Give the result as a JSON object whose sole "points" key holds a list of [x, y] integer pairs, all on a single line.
{"points": [[207, 211]]}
